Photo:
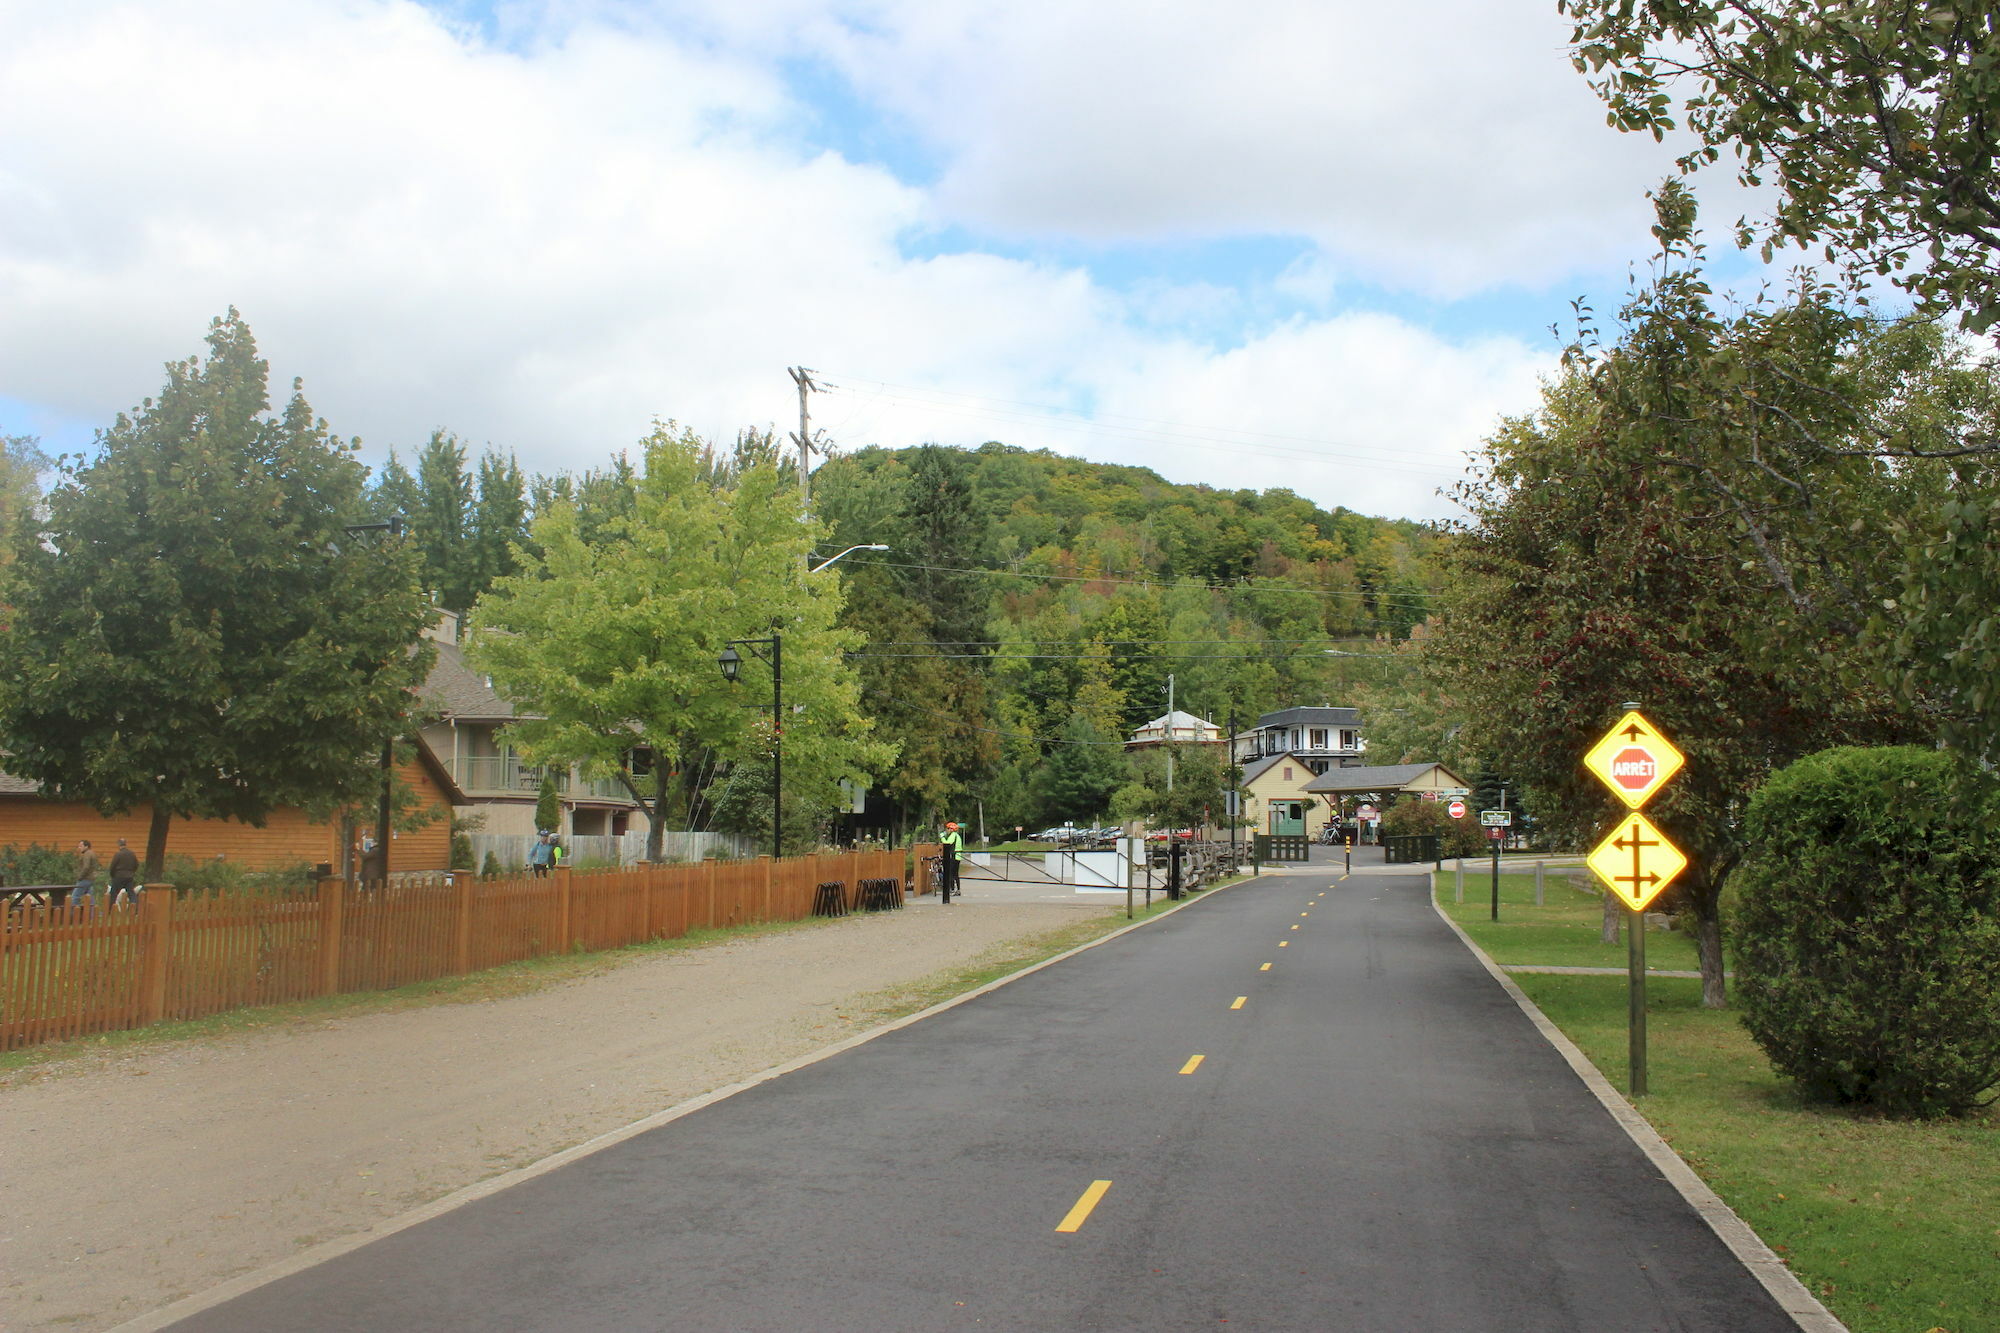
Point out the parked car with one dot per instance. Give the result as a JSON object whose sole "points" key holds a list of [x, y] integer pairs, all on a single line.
{"points": [[1060, 833]]}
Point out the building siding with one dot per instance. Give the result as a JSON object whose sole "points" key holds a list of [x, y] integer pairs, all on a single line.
{"points": [[288, 838]]}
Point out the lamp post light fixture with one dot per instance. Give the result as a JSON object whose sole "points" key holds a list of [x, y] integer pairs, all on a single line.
{"points": [[731, 663], [877, 546], [393, 525]]}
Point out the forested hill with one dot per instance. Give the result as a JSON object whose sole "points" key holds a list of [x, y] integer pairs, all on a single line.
{"points": [[1032, 607]]}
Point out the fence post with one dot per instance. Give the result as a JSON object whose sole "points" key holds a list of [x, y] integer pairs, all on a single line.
{"points": [[565, 911], [332, 894], [708, 891], [461, 960], [156, 915]]}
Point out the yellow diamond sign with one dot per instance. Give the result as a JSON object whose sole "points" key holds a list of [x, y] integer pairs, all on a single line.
{"points": [[1633, 760], [1636, 861]]}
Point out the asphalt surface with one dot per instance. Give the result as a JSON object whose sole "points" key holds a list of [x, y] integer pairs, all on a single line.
{"points": [[1376, 1138]]}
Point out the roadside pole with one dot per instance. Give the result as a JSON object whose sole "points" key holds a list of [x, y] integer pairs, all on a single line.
{"points": [[1635, 861], [1496, 823], [1493, 836], [1635, 1022]]}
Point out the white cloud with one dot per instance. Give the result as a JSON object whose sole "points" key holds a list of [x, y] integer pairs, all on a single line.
{"points": [[545, 246], [1445, 146]]}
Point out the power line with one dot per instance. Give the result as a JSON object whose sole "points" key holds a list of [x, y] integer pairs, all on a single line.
{"points": [[1161, 583], [1142, 428], [1124, 657], [1016, 735]]}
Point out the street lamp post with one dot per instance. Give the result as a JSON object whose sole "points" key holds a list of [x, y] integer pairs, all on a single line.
{"points": [[731, 662], [393, 525], [849, 551]]}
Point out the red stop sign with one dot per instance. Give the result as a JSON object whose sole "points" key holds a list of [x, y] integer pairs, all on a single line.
{"points": [[1456, 809], [1633, 768]]}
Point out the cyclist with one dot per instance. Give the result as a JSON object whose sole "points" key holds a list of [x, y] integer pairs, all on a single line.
{"points": [[953, 843]]}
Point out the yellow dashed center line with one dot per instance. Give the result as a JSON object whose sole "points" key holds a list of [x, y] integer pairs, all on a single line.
{"points": [[1074, 1219], [1264, 968], [1241, 1000], [1194, 1063], [1294, 927], [1283, 943]]}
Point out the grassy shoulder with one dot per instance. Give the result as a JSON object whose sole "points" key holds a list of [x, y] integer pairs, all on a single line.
{"points": [[1564, 932], [494, 983], [1003, 960], [1895, 1226], [535, 974]]}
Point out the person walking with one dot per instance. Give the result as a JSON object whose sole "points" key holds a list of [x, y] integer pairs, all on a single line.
{"points": [[124, 870], [85, 874], [541, 856], [952, 843]]}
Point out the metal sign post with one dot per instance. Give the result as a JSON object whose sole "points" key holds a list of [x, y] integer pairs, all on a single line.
{"points": [[1635, 860], [1496, 823]]}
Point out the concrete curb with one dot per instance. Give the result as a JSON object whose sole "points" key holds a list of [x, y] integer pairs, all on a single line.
{"points": [[1764, 1264], [315, 1255]]}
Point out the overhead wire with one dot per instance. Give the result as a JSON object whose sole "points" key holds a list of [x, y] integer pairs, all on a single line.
{"points": [[1233, 439], [1161, 583]]}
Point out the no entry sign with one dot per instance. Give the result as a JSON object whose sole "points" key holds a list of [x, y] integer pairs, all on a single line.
{"points": [[1456, 809]]}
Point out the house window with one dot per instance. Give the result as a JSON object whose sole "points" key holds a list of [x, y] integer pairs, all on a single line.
{"points": [[1288, 772], [1318, 739], [1347, 740]]}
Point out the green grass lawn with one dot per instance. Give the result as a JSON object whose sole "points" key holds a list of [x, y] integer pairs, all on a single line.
{"points": [[1896, 1226], [1564, 932]]}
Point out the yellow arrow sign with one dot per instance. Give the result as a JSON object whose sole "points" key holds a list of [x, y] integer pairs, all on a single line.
{"points": [[1636, 861], [1634, 760]]}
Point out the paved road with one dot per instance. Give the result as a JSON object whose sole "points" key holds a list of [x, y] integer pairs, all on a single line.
{"points": [[1374, 1139]]}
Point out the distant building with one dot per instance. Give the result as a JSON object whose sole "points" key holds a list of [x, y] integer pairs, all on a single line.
{"points": [[1276, 799], [487, 776], [1387, 783], [1320, 738], [1176, 728]]}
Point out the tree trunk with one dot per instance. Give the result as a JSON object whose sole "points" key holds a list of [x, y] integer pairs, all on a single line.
{"points": [[1708, 944], [1614, 912], [156, 845]]}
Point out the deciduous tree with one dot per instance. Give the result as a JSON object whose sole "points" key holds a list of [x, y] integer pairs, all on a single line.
{"points": [[191, 628], [613, 638]]}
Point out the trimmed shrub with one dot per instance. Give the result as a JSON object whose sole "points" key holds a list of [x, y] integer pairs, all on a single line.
{"points": [[1866, 930], [1462, 837], [36, 864]]}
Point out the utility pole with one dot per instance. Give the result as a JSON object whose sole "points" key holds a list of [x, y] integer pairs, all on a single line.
{"points": [[803, 378]]}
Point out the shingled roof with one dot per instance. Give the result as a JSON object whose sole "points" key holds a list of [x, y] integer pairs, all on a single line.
{"points": [[457, 691]]}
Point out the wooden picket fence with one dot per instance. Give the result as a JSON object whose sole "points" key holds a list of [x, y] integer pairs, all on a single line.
{"points": [[73, 971]]}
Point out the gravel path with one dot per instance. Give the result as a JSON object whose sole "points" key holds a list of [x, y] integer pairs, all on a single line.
{"points": [[134, 1178]]}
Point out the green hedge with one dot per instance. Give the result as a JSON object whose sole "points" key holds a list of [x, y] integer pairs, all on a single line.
{"points": [[1866, 931], [1462, 837]]}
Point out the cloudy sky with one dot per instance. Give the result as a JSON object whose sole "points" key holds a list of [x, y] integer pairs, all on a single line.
{"points": [[1306, 243]]}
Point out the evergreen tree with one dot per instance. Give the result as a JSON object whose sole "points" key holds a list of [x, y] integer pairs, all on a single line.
{"points": [[441, 521], [499, 521], [191, 629]]}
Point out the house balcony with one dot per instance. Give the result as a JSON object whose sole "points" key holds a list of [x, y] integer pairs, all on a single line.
{"points": [[509, 775]]}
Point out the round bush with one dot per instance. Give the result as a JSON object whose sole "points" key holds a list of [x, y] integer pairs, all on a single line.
{"points": [[1462, 837], [1867, 930]]}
